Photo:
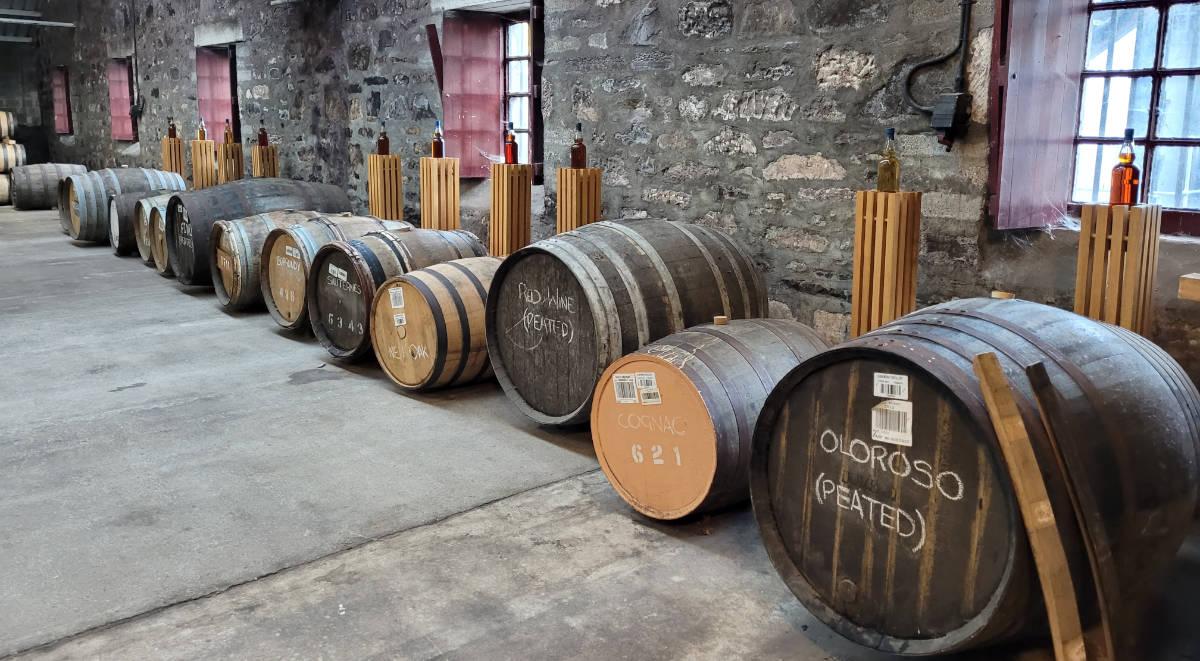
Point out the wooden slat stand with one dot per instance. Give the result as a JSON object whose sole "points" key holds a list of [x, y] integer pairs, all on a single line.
{"points": [[440, 194], [172, 155], [578, 198], [512, 214], [264, 161], [231, 164], [887, 231], [385, 187], [204, 164], [1118, 258]]}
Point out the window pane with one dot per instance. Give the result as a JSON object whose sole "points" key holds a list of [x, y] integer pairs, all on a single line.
{"points": [[1182, 48], [517, 40], [523, 147], [1110, 105], [1179, 107], [1122, 39], [1093, 170], [518, 77], [1176, 178], [518, 112]]}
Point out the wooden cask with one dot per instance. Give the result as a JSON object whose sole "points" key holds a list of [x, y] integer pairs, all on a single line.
{"points": [[288, 252], [234, 251], [5, 189], [83, 198], [158, 242], [36, 186], [191, 214], [345, 275], [8, 124], [12, 155], [672, 422], [427, 325], [562, 310], [882, 497], [122, 221], [142, 234]]}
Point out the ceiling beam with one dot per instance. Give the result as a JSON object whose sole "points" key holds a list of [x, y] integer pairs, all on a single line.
{"points": [[44, 24], [27, 13]]}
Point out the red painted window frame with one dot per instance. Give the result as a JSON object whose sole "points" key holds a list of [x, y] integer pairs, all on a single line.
{"points": [[60, 86], [215, 94], [120, 100]]}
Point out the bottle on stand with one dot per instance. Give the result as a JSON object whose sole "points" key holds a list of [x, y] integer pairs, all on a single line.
{"points": [[510, 145], [383, 145], [1126, 177], [228, 133], [437, 147], [263, 140], [172, 132], [202, 132], [579, 150], [888, 180]]}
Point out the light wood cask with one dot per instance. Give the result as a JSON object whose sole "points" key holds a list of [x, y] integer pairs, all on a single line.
{"points": [[142, 229]]}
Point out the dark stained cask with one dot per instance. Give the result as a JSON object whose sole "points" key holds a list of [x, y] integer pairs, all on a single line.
{"points": [[158, 242], [884, 502], [562, 310], [287, 253], [142, 233], [235, 247], [122, 221], [345, 275], [83, 198], [36, 186], [672, 422], [191, 214], [427, 326]]}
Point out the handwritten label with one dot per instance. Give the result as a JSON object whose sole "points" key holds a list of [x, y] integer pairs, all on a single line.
{"points": [[547, 315], [672, 425]]}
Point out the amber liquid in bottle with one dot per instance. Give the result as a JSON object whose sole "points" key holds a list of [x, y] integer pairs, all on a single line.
{"points": [[437, 148], [1126, 177], [383, 145], [172, 133], [263, 140], [228, 133], [578, 150], [510, 145], [888, 180], [202, 132]]}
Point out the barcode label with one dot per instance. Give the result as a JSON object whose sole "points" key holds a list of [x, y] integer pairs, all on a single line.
{"points": [[650, 396], [891, 422], [291, 252], [336, 272], [647, 387], [892, 386], [399, 319], [397, 296], [625, 389]]}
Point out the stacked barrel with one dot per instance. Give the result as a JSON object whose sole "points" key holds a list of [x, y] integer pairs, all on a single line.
{"points": [[12, 155]]}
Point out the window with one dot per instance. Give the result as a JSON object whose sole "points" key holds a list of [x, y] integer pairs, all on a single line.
{"points": [[1141, 71], [215, 90], [518, 93], [120, 99], [61, 91]]}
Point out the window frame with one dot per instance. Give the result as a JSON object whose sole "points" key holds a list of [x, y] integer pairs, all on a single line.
{"points": [[65, 73], [133, 137], [228, 53], [1174, 221], [509, 21]]}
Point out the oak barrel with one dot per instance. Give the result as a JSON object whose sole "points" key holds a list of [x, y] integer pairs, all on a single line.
{"points": [[234, 250], [287, 252], [345, 275], [158, 242], [562, 310], [83, 198], [882, 497], [142, 234], [427, 325], [122, 221], [672, 422], [12, 155], [8, 124], [5, 189], [190, 216], [36, 186]]}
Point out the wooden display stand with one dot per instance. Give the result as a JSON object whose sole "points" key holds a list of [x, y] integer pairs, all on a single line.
{"points": [[578, 198], [512, 214], [887, 231], [264, 161], [1118, 258], [385, 187], [172, 155], [231, 164], [204, 164], [440, 193]]}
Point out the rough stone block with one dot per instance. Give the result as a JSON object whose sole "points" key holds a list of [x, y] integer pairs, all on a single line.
{"points": [[800, 166], [708, 19]]}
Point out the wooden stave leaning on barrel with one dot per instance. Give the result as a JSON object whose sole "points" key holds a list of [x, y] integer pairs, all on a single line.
{"points": [[142, 230], [235, 247], [366, 263], [36, 186], [1127, 431], [191, 214], [710, 382], [286, 254], [441, 340], [83, 198], [632, 296], [122, 221]]}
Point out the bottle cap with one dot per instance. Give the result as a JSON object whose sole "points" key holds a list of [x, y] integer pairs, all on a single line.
{"points": [[1129, 134], [510, 125], [890, 133], [720, 320], [579, 126]]}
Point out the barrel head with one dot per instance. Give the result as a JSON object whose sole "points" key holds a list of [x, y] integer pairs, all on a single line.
{"points": [[405, 331], [340, 303], [285, 278], [226, 258]]}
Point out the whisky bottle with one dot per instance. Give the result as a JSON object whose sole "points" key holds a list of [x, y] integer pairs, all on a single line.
{"points": [[579, 150], [228, 133], [888, 180], [383, 145], [437, 147], [263, 140], [1126, 177], [202, 132], [510, 145], [172, 132]]}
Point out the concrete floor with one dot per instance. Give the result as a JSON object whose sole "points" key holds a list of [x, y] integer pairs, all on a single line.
{"points": [[178, 482]]}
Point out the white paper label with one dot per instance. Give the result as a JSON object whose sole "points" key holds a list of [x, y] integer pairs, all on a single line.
{"points": [[399, 319], [625, 389], [891, 422], [336, 272], [291, 252], [891, 386], [647, 387], [397, 296]]}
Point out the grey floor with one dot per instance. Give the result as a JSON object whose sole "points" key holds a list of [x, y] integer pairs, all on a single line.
{"points": [[179, 482]]}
